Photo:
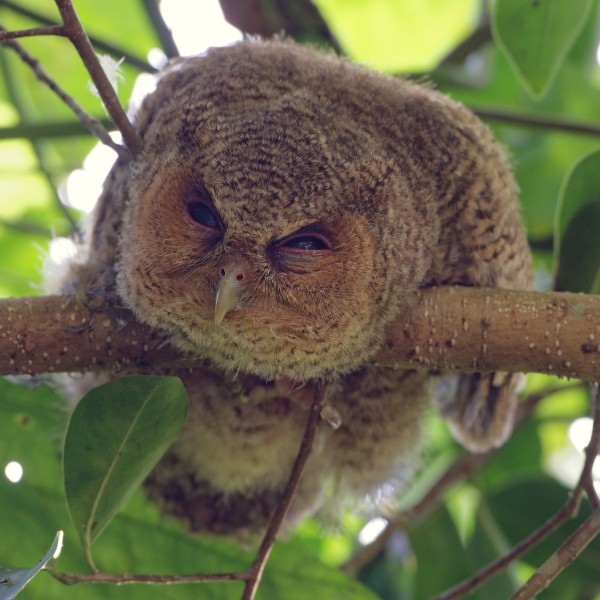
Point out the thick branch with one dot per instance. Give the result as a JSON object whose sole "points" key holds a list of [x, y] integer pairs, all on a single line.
{"points": [[449, 329]]}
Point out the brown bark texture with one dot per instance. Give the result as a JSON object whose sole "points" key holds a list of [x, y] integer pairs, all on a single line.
{"points": [[448, 329]]}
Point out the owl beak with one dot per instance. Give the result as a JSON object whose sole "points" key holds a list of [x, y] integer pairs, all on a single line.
{"points": [[229, 288]]}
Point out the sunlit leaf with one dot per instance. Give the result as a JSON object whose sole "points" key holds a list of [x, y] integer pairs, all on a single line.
{"points": [[412, 35], [12, 581], [116, 434], [577, 225], [536, 36]]}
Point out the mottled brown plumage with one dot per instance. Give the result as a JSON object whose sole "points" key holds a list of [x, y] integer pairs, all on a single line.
{"points": [[313, 198]]}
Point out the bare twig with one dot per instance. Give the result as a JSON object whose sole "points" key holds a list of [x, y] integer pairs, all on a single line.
{"points": [[585, 533], [58, 129], [466, 465], [21, 33], [160, 27], [463, 467], [116, 52], [74, 578], [473, 582], [566, 553], [561, 559], [537, 121], [80, 40], [257, 567], [92, 124], [252, 576]]}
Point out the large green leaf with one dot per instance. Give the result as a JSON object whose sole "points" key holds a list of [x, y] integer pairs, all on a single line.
{"points": [[140, 540], [441, 558], [536, 36], [407, 36], [116, 435], [576, 244]]}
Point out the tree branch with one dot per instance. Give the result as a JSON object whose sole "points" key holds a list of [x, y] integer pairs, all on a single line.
{"points": [[568, 551], [537, 121], [448, 329], [116, 52], [80, 40], [253, 574], [464, 467], [163, 33], [94, 126], [34, 31]]}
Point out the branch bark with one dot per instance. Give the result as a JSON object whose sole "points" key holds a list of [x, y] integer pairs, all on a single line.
{"points": [[448, 329]]}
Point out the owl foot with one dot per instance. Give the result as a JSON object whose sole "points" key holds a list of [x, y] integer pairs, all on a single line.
{"points": [[480, 408]]}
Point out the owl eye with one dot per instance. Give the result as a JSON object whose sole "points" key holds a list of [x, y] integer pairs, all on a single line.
{"points": [[304, 244], [204, 216]]}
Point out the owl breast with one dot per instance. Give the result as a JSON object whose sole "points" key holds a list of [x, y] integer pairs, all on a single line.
{"points": [[286, 206]]}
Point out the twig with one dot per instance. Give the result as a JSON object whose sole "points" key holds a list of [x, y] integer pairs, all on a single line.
{"points": [[537, 121], [92, 124], [58, 129], [585, 533], [466, 465], [257, 567], [566, 553], [21, 33], [473, 582], [115, 51], [561, 559], [15, 93], [252, 576], [80, 40], [160, 27], [74, 578]]}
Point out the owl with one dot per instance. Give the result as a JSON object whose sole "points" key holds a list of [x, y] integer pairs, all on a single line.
{"points": [[286, 207]]}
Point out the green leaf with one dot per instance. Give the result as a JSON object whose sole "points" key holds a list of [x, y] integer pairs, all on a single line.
{"points": [[116, 435], [576, 230], [407, 36], [536, 35], [140, 540], [12, 581], [440, 555]]}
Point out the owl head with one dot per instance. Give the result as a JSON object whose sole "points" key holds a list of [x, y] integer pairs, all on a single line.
{"points": [[270, 225]]}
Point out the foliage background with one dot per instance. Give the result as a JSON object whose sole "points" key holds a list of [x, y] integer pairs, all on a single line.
{"points": [[446, 41]]}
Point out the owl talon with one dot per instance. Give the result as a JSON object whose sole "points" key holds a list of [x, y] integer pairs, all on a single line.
{"points": [[480, 409]]}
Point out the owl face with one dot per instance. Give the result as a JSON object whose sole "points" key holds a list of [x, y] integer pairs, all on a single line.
{"points": [[264, 233]]}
